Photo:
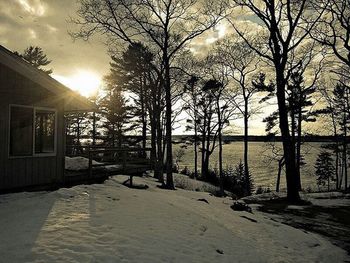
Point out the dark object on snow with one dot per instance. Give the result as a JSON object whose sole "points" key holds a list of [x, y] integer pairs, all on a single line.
{"points": [[239, 206], [220, 251], [250, 219], [129, 184], [203, 200]]}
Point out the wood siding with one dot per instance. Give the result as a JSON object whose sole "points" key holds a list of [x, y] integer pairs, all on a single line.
{"points": [[22, 172]]}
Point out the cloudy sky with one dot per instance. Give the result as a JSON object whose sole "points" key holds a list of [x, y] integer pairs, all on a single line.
{"points": [[44, 23]]}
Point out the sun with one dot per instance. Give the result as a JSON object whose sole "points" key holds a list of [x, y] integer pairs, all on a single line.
{"points": [[86, 82]]}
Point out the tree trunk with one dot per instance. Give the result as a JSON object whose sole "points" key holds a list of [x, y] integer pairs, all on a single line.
{"points": [[345, 163], [78, 137], [337, 164], [195, 148], [207, 148], [94, 128], [168, 130], [246, 131], [195, 138], [280, 165], [153, 145], [288, 147], [220, 148], [160, 153], [204, 135], [298, 150], [113, 135], [144, 121]]}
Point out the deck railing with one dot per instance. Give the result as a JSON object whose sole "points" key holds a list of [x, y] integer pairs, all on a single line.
{"points": [[128, 161]]}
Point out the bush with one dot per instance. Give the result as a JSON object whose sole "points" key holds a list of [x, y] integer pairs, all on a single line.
{"points": [[212, 177], [261, 190], [234, 180]]}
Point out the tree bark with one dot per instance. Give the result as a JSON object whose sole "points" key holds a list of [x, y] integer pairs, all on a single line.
{"points": [[94, 128], [195, 148], [298, 150], [220, 147], [345, 156], [168, 124], [288, 147], [246, 131], [143, 119], [280, 165]]}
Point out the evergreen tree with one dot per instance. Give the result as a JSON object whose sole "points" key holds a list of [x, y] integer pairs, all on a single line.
{"points": [[118, 116], [325, 170], [36, 57]]}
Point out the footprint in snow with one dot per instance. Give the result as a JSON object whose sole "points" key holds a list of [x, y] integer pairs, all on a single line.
{"points": [[220, 251], [250, 219], [203, 200], [203, 229]]}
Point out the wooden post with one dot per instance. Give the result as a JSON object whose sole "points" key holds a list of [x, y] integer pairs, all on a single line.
{"points": [[124, 161], [90, 162], [130, 180]]}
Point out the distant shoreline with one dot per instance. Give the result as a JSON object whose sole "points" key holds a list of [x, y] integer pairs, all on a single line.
{"points": [[237, 138], [260, 138]]}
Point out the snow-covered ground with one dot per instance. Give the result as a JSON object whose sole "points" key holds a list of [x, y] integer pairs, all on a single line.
{"points": [[112, 223]]}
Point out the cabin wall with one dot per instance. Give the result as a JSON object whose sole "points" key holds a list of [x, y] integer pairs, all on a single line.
{"points": [[22, 172]]}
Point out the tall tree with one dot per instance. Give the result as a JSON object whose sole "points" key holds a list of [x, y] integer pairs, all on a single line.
{"points": [[333, 31], [36, 57], [131, 70], [241, 65], [117, 112], [341, 108], [192, 93], [166, 26], [286, 25]]}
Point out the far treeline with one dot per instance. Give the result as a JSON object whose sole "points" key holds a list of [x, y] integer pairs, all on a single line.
{"points": [[289, 60]]}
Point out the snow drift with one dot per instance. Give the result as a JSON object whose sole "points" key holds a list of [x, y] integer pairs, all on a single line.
{"points": [[113, 223]]}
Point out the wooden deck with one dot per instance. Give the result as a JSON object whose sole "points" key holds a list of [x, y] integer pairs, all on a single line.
{"points": [[111, 161]]}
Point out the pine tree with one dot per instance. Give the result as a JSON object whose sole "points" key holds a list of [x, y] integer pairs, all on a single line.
{"points": [[325, 169], [36, 57], [118, 116]]}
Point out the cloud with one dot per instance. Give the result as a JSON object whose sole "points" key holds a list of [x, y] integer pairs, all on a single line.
{"points": [[44, 23], [33, 7]]}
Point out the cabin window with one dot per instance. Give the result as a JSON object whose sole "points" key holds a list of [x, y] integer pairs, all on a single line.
{"points": [[21, 131], [44, 131], [32, 131]]}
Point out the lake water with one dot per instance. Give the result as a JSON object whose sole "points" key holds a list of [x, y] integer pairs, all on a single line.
{"points": [[263, 169]]}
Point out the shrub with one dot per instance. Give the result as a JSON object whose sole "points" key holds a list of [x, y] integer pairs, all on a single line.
{"points": [[324, 169], [234, 180], [262, 190]]}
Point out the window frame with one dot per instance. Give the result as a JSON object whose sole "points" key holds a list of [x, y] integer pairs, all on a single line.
{"points": [[34, 154]]}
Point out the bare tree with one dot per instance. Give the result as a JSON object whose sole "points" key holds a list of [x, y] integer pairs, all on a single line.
{"points": [[333, 30], [286, 25], [167, 26], [241, 65]]}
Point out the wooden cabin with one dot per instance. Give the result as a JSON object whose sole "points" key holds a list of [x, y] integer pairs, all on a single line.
{"points": [[32, 125]]}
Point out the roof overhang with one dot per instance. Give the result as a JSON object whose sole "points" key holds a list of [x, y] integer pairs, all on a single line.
{"points": [[72, 100]]}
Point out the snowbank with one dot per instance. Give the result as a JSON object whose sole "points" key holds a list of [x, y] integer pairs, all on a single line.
{"points": [[186, 183], [326, 199], [77, 163], [112, 223]]}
